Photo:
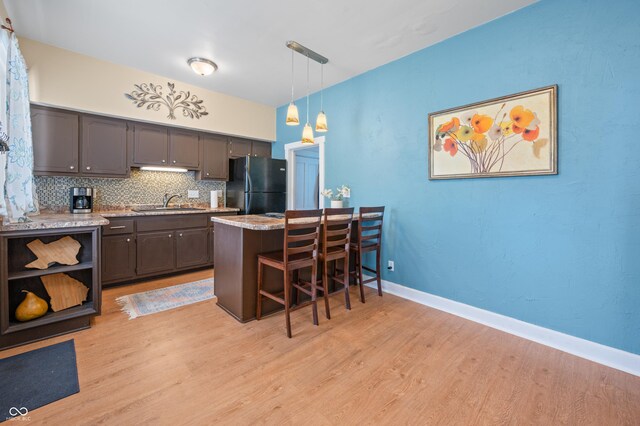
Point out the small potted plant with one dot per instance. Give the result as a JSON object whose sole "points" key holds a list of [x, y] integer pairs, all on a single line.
{"points": [[337, 199]]}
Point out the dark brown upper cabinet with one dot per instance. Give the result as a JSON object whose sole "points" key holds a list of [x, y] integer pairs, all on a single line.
{"points": [[104, 146], [261, 149], [215, 158], [55, 141], [239, 147], [162, 146], [150, 145], [68, 143], [184, 148], [242, 147]]}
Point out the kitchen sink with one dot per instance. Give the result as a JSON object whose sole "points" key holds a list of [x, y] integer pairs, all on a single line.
{"points": [[167, 209]]}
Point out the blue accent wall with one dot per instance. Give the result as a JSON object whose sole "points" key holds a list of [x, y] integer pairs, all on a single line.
{"points": [[562, 252]]}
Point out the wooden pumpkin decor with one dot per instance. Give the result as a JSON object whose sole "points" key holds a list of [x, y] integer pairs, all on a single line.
{"points": [[32, 307]]}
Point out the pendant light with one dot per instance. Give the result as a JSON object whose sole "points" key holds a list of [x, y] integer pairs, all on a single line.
{"points": [[321, 120], [292, 111], [307, 132]]}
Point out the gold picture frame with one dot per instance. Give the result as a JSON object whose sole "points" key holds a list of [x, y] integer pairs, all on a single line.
{"points": [[513, 135]]}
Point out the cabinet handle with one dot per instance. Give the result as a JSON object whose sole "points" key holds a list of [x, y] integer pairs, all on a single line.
{"points": [[164, 161], [128, 240], [71, 167], [88, 167], [180, 235], [207, 174], [169, 235], [118, 227], [174, 161]]}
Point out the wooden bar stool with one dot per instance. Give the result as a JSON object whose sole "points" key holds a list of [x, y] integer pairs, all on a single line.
{"points": [[301, 241], [369, 240], [336, 239]]}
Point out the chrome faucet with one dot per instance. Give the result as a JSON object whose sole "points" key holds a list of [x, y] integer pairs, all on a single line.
{"points": [[167, 199]]}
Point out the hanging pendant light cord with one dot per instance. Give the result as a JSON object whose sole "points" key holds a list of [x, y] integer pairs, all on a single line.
{"points": [[292, 76], [307, 90], [321, 85]]}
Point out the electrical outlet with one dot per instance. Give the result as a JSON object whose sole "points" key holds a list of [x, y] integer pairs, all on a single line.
{"points": [[193, 193], [391, 266]]}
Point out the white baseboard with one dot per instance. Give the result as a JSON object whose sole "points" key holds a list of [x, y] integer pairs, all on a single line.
{"points": [[605, 355]]}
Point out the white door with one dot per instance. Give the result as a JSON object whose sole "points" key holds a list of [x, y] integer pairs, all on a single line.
{"points": [[307, 174], [311, 177]]}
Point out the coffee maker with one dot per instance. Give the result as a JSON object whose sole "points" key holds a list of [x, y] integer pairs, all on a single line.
{"points": [[81, 200]]}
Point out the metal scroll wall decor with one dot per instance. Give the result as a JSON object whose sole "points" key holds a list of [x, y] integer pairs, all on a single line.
{"points": [[150, 95]]}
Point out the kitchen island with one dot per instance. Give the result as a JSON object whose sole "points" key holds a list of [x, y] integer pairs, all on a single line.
{"points": [[239, 240]]}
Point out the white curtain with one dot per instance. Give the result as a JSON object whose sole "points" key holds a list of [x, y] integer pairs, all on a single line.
{"points": [[17, 191]]}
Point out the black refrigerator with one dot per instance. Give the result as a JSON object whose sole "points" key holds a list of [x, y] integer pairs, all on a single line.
{"points": [[257, 185]]}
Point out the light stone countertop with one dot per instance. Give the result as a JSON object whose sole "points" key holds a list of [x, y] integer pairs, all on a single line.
{"points": [[131, 213], [254, 222], [258, 222], [54, 220], [46, 220]]}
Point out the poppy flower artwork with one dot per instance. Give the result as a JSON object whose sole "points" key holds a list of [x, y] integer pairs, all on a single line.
{"points": [[514, 135]]}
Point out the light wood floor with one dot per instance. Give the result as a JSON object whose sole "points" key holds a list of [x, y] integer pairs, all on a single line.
{"points": [[389, 361]]}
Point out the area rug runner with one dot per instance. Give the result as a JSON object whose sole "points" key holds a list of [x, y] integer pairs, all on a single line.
{"points": [[36, 378], [162, 299]]}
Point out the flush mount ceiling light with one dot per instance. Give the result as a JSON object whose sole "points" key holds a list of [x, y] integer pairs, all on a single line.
{"points": [[164, 169], [202, 66], [292, 111]]}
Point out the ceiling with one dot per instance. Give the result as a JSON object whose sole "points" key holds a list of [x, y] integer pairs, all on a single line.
{"points": [[246, 38]]}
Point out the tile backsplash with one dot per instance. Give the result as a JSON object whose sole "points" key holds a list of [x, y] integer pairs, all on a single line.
{"points": [[143, 187]]}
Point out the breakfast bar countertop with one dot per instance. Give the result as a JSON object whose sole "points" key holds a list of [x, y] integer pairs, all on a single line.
{"points": [[258, 222], [254, 222], [50, 220]]}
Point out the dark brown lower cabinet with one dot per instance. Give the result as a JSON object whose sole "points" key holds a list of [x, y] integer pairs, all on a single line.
{"points": [[118, 258], [148, 246], [192, 247], [155, 252]]}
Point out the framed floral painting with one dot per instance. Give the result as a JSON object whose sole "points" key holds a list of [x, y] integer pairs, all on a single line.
{"points": [[514, 135]]}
